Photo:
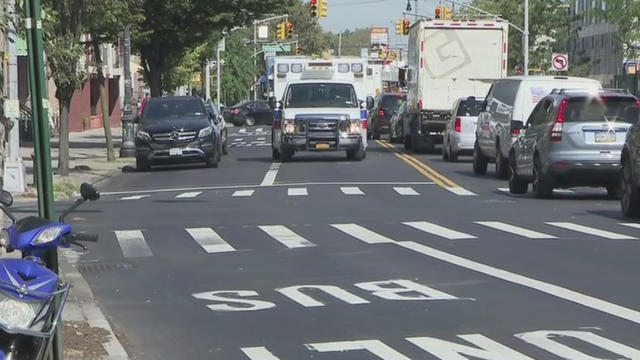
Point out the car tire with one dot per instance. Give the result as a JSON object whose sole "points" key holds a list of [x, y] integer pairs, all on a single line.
{"points": [[630, 194], [212, 162], [542, 187], [445, 154], [480, 162], [407, 143], [614, 190], [502, 164], [141, 164], [225, 146], [516, 184], [357, 154], [249, 121], [414, 142], [286, 155], [453, 155], [376, 133], [275, 154]]}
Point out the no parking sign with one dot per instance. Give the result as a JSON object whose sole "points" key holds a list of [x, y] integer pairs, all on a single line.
{"points": [[560, 62]]}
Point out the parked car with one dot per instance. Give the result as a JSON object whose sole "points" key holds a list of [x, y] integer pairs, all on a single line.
{"points": [[572, 138], [250, 113], [511, 100], [396, 124], [219, 123], [176, 129], [460, 133], [630, 162], [384, 106]]}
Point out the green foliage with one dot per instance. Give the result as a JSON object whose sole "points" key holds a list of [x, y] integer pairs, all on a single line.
{"points": [[238, 68], [625, 15], [104, 20], [311, 38], [352, 41]]}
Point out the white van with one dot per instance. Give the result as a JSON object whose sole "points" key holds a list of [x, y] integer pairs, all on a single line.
{"points": [[507, 107]]}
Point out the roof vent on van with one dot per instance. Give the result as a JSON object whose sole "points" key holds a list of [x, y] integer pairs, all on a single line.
{"points": [[568, 91], [561, 77]]}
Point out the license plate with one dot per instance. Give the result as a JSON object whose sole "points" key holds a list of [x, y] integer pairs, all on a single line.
{"points": [[605, 137], [175, 152], [322, 146]]}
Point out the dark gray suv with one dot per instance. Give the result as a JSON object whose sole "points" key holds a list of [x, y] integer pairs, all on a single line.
{"points": [[572, 138]]}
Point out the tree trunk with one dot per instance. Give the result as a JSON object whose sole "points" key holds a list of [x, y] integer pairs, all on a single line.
{"points": [[63, 146], [153, 68], [106, 119], [155, 83]]}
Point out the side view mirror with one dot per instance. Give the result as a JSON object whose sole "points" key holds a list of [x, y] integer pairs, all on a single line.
{"points": [[485, 106], [370, 104], [89, 192], [5, 198], [517, 126]]}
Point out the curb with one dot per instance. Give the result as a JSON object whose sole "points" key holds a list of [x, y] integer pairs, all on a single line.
{"points": [[81, 304]]}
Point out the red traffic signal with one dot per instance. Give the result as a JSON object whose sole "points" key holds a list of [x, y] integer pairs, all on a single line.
{"points": [[313, 4], [289, 30], [438, 12]]}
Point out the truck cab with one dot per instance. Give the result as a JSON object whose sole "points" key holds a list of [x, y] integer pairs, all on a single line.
{"points": [[319, 115]]}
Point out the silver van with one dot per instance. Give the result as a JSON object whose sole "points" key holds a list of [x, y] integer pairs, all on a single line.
{"points": [[506, 109]]}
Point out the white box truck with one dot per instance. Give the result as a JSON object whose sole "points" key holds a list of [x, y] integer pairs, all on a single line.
{"points": [[449, 59]]}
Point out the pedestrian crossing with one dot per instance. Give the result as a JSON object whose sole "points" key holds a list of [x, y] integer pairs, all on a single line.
{"points": [[211, 240]]}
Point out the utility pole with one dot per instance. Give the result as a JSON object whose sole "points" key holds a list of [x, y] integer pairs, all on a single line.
{"points": [[14, 171], [128, 146], [207, 80], [340, 44], [42, 148], [218, 66], [255, 58], [525, 39]]}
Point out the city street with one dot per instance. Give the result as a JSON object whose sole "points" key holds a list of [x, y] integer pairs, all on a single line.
{"points": [[399, 256]]}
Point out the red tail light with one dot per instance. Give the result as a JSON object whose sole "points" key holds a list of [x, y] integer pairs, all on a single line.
{"points": [[381, 113], [638, 102], [556, 130], [515, 131], [458, 125], [365, 124]]}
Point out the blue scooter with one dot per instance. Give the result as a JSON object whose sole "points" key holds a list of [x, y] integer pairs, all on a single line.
{"points": [[31, 295]]}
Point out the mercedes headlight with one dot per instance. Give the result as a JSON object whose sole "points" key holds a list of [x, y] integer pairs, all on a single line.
{"points": [[205, 132], [47, 235], [4, 238], [19, 314], [289, 126], [143, 135]]}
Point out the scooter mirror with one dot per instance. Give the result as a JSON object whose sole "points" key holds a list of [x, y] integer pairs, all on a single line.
{"points": [[89, 192], [5, 198]]}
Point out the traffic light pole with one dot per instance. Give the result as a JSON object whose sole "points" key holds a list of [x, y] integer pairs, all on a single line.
{"points": [[255, 47]]}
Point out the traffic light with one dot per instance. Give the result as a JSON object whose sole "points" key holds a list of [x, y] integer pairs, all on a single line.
{"points": [[313, 5], [380, 54], [298, 50], [281, 33], [447, 13], [399, 28], [405, 27], [322, 8], [438, 12], [289, 30]]}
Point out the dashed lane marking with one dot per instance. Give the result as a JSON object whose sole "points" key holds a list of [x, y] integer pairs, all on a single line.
{"points": [[351, 191], [133, 244], [270, 176], [134, 197], [210, 241], [243, 193], [362, 234], [406, 191], [286, 237], [438, 230], [591, 231], [189, 195], [297, 192], [515, 230]]}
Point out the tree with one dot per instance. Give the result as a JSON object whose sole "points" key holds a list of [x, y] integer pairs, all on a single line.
{"points": [[171, 28], [62, 21], [104, 21], [352, 41], [311, 38], [238, 68], [625, 15]]}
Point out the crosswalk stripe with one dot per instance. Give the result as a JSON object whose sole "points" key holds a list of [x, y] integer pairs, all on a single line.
{"points": [[362, 234], [134, 197], [210, 241], [591, 231], [286, 237], [351, 191], [243, 193], [460, 191], [631, 225], [439, 230], [297, 192], [405, 191], [258, 353], [132, 243], [189, 195], [515, 230]]}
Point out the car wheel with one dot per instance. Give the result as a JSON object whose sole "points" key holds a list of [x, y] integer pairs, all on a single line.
{"points": [[480, 162], [445, 153], [630, 197], [141, 164], [502, 166], [614, 190], [542, 188], [356, 154], [453, 155], [212, 161], [249, 121], [225, 146], [376, 133], [516, 184], [275, 154], [407, 142], [286, 155]]}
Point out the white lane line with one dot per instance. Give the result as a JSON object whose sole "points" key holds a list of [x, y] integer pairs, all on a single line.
{"points": [[558, 191], [351, 190], [297, 192], [132, 243], [405, 191], [631, 225], [270, 176], [243, 193], [362, 234], [461, 191], [503, 189], [286, 237], [551, 289], [438, 230], [258, 353], [210, 241], [134, 197], [515, 230], [189, 195], [591, 231]]}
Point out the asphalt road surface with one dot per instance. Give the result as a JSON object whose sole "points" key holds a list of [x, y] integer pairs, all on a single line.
{"points": [[395, 257]]}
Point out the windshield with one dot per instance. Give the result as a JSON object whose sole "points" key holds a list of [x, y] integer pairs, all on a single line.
{"points": [[321, 95], [621, 109], [584, 110], [163, 109], [469, 108], [391, 103]]}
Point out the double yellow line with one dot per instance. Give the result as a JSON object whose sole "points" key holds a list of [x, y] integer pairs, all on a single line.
{"points": [[421, 167]]}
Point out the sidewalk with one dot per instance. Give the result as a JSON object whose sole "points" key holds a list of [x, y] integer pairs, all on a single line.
{"points": [[88, 161]]}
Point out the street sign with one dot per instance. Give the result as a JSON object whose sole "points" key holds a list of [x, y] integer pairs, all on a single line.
{"points": [[560, 62], [276, 48], [263, 32], [12, 108], [364, 53], [380, 35], [222, 44]]}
